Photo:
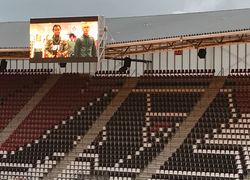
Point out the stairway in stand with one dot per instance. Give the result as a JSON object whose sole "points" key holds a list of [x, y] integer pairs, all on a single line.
{"points": [[27, 109], [176, 141], [93, 132]]}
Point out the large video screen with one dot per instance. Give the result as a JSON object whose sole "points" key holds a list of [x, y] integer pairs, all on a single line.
{"points": [[64, 39]]}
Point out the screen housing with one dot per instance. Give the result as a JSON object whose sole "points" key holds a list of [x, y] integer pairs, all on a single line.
{"points": [[38, 55]]}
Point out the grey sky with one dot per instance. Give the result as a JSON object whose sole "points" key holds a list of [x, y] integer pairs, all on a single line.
{"points": [[23, 10]]}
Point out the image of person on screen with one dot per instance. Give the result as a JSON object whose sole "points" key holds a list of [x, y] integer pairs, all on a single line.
{"points": [[71, 44], [85, 45], [56, 47]]}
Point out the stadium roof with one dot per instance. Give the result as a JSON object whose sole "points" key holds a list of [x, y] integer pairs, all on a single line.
{"points": [[127, 29], [14, 34], [133, 35]]}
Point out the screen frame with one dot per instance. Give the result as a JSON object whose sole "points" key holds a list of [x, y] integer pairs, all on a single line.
{"points": [[65, 20]]}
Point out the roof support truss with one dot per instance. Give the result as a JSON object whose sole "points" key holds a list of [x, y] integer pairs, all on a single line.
{"points": [[115, 50], [189, 42]]}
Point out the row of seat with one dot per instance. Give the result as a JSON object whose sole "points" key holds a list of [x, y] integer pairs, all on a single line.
{"points": [[123, 144], [49, 133], [180, 72], [217, 147], [27, 71], [133, 136], [240, 72], [111, 73], [15, 92]]}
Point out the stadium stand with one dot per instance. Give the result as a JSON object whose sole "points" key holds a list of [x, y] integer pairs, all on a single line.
{"points": [[147, 118], [15, 92], [217, 147], [138, 131], [31, 153]]}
